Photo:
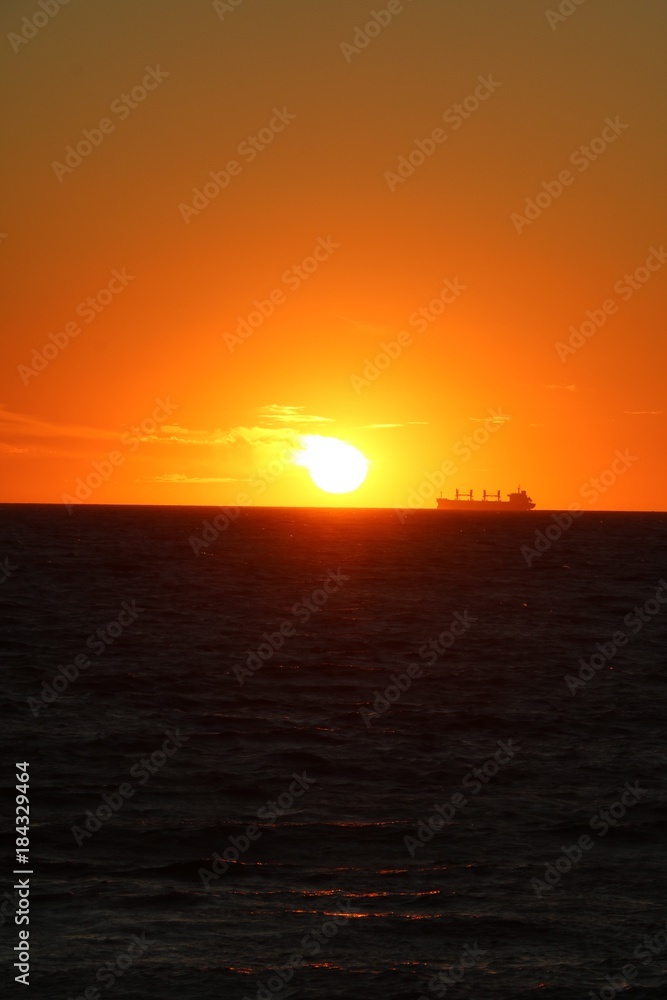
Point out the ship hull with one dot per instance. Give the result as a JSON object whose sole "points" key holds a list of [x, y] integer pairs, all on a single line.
{"points": [[486, 506]]}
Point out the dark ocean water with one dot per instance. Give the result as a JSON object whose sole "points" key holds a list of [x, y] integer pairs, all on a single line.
{"points": [[359, 597]]}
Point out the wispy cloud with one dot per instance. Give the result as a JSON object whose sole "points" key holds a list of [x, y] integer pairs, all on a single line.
{"points": [[176, 434], [13, 425], [241, 449], [180, 477], [21, 426], [382, 426], [11, 449], [564, 388], [17, 427], [362, 327], [291, 414], [187, 435], [639, 413], [498, 419], [408, 423]]}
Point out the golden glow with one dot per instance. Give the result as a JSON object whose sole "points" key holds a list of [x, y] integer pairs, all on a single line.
{"points": [[334, 465], [417, 298]]}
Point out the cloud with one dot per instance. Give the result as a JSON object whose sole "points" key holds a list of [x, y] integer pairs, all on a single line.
{"points": [[408, 423], [180, 477], [381, 426], [639, 413], [277, 436], [291, 414], [220, 438], [256, 435], [21, 433], [566, 388], [186, 435], [172, 429], [22, 425], [10, 449], [499, 419], [14, 426], [362, 327]]}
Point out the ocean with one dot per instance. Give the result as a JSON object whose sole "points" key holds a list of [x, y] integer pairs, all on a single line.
{"points": [[321, 753]]}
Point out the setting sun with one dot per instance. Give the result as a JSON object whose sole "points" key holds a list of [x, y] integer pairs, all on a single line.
{"points": [[334, 465]]}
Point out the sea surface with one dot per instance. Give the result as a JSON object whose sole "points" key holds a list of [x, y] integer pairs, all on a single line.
{"points": [[399, 664]]}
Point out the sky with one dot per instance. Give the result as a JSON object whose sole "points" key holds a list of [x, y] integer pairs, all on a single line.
{"points": [[433, 230]]}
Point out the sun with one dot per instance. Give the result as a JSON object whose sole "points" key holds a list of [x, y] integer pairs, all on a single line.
{"points": [[334, 465]]}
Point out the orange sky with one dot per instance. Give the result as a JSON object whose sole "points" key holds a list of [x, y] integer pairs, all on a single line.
{"points": [[500, 97]]}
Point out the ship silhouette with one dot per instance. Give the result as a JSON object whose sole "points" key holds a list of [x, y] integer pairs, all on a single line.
{"points": [[489, 502]]}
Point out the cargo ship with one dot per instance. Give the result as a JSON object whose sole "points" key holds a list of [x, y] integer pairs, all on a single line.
{"points": [[489, 502]]}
